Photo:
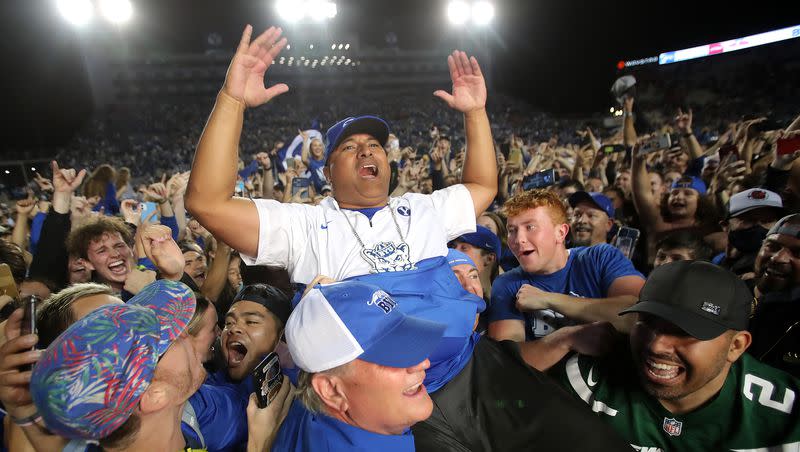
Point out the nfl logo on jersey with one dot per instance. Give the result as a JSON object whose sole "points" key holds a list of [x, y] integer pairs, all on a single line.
{"points": [[672, 427]]}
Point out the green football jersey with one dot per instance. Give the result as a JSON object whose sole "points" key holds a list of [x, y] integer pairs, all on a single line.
{"points": [[756, 410]]}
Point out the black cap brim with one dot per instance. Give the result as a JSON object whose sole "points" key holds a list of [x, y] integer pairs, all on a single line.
{"points": [[695, 325]]}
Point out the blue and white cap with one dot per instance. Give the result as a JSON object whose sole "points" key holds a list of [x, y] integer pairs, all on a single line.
{"points": [[337, 323], [371, 125]]}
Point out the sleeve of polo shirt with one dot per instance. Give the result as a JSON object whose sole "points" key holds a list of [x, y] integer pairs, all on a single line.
{"points": [[612, 264], [282, 233], [456, 210]]}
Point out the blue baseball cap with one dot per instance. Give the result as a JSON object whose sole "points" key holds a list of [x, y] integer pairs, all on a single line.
{"points": [[456, 257], [483, 238], [337, 323], [371, 125], [695, 183], [598, 199], [91, 378]]}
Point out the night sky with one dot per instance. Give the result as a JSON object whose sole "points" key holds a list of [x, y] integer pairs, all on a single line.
{"points": [[559, 55]]}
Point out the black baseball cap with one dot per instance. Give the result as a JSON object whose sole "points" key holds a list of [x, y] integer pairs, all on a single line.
{"points": [[698, 297], [272, 298]]}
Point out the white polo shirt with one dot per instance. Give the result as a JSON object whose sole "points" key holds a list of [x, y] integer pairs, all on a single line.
{"points": [[317, 240]]}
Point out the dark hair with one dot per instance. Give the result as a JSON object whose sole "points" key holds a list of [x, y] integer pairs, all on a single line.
{"points": [[705, 213], [687, 238], [261, 274], [13, 255], [80, 238], [52, 286], [564, 183], [618, 191]]}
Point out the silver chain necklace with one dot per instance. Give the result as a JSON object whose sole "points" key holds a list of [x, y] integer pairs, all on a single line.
{"points": [[371, 262]]}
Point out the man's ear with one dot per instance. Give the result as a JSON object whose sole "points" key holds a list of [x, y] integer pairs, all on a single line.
{"points": [[562, 230], [489, 259], [155, 398], [330, 390], [739, 343]]}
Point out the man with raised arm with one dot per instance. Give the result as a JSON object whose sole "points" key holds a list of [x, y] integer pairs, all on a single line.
{"points": [[398, 244]]}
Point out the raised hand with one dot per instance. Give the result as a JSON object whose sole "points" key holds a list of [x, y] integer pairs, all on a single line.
{"points": [[131, 211], [43, 182], [245, 78], [156, 192], [157, 243], [25, 206], [66, 180], [176, 187], [469, 87], [683, 121]]}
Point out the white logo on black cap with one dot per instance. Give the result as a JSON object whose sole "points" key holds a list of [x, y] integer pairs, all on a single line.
{"points": [[710, 308]]}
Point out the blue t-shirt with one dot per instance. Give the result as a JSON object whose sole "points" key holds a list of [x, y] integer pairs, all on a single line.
{"points": [[589, 273], [221, 413], [303, 431]]}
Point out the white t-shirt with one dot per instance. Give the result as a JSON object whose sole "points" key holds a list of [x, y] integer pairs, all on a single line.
{"points": [[317, 240]]}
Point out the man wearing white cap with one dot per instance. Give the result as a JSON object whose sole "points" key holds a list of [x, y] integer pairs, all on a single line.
{"points": [[751, 213], [362, 367]]}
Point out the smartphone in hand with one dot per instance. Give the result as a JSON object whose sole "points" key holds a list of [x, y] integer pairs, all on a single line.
{"points": [[626, 239], [541, 179], [148, 208], [29, 305], [267, 379]]}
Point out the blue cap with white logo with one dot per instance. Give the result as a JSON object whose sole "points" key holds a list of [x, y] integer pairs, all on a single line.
{"points": [[456, 257], [337, 323], [371, 125], [598, 199]]}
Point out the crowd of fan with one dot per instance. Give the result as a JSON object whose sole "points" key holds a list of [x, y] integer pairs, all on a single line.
{"points": [[114, 254]]}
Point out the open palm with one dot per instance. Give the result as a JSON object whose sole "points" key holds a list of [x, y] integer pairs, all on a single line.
{"points": [[245, 78], [469, 87]]}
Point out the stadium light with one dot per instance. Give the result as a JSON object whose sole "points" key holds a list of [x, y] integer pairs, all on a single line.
{"points": [[290, 10], [116, 11], [458, 12], [294, 11], [76, 12], [482, 13]]}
